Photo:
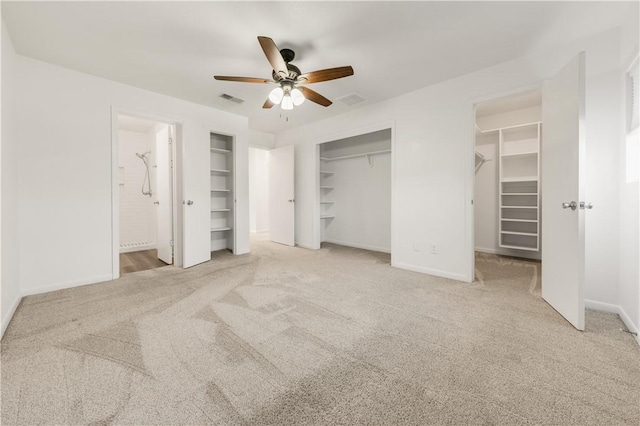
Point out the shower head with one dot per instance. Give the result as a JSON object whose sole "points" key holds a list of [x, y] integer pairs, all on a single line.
{"points": [[143, 156]]}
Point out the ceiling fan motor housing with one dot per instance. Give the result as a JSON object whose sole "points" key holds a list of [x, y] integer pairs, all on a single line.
{"points": [[288, 55]]}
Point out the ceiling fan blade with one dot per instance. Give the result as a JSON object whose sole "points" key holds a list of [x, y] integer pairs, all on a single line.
{"points": [[314, 96], [243, 79], [268, 103], [273, 55], [325, 75]]}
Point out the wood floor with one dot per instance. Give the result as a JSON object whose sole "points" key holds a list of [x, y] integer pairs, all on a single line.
{"points": [[139, 261]]}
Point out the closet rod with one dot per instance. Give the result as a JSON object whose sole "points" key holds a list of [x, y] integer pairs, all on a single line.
{"points": [[364, 154]]}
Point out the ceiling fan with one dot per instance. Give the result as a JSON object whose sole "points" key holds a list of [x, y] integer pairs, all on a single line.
{"points": [[290, 79]]}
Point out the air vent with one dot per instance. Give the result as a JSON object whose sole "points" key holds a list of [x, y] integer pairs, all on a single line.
{"points": [[231, 98], [351, 99]]}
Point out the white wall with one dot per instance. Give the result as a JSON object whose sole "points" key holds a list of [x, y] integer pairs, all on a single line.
{"points": [[486, 195], [629, 297], [137, 211], [362, 194], [9, 230], [64, 123], [264, 140], [433, 161], [258, 190]]}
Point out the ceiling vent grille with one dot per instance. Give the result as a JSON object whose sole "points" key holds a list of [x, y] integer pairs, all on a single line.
{"points": [[351, 99], [232, 98]]}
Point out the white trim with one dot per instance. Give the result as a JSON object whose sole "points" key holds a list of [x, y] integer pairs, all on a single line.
{"points": [[614, 309], [429, 271], [360, 246], [502, 252], [306, 246], [67, 284], [137, 247], [9, 316]]}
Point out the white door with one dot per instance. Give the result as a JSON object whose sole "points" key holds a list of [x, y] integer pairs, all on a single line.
{"points": [[563, 162], [195, 157], [281, 196], [164, 196]]}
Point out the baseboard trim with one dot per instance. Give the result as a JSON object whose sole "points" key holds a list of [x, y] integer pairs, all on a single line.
{"points": [[501, 252], [429, 271], [9, 316], [614, 309], [306, 246], [140, 247], [68, 284], [360, 246]]}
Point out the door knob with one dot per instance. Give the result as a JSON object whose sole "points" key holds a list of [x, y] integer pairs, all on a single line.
{"points": [[292, 201], [157, 203], [189, 202], [572, 205], [584, 205]]}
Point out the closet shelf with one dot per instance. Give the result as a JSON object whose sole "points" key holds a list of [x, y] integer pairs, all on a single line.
{"points": [[364, 154], [220, 150], [519, 220], [325, 172], [519, 193], [519, 247], [215, 171], [531, 234], [508, 127], [519, 207], [520, 154], [327, 202], [220, 210], [326, 187], [520, 179], [226, 228], [220, 190], [326, 217]]}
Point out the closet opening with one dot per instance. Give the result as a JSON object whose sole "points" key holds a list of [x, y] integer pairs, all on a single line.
{"points": [[355, 191], [145, 194], [507, 189], [223, 193], [259, 193]]}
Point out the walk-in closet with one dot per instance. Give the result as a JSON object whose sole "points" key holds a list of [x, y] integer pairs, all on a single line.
{"points": [[507, 176], [222, 192], [355, 191]]}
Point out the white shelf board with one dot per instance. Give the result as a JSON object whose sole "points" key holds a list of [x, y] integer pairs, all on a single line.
{"points": [[226, 228], [220, 171], [519, 247], [519, 193], [327, 217], [519, 220], [520, 154], [220, 210], [324, 172], [326, 187], [508, 127], [530, 234], [327, 202], [519, 207], [520, 179], [220, 190], [220, 150]]}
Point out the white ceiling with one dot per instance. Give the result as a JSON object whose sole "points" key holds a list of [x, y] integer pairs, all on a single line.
{"points": [[175, 48]]}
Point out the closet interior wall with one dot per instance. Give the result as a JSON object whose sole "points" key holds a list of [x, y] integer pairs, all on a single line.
{"points": [[355, 191], [507, 161]]}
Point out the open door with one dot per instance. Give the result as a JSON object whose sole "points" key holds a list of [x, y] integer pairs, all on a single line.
{"points": [[281, 196], [164, 195], [563, 162]]}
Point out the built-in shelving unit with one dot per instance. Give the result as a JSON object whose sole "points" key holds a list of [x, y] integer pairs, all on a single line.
{"points": [[519, 148], [222, 192], [326, 206]]}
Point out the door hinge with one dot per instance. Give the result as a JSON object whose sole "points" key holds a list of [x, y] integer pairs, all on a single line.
{"points": [[170, 140]]}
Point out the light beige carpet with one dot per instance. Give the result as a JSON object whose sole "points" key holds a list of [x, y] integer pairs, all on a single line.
{"points": [[293, 336]]}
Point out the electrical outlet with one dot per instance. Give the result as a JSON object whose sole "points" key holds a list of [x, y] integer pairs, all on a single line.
{"points": [[434, 249]]}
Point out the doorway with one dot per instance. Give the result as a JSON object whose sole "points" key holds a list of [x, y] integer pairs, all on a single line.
{"points": [[145, 194], [259, 192]]}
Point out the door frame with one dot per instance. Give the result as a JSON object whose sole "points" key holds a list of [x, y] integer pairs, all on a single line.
{"points": [[176, 154], [362, 130], [470, 168]]}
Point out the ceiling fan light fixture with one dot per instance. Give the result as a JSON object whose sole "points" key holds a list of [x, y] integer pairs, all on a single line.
{"points": [[297, 96], [287, 102], [276, 95]]}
